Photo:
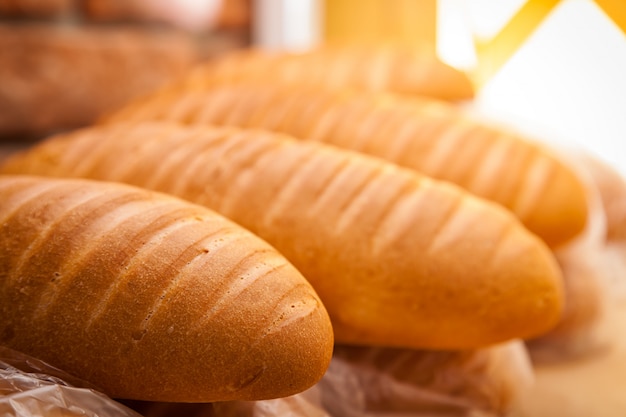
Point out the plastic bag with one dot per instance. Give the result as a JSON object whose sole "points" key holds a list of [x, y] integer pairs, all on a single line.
{"points": [[582, 330], [592, 266], [381, 382], [361, 382], [425, 383], [31, 388]]}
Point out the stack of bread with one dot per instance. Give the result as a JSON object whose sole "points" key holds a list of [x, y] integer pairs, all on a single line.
{"points": [[64, 62], [232, 231]]}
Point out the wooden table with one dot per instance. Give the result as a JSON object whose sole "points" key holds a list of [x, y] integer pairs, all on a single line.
{"points": [[589, 387]]}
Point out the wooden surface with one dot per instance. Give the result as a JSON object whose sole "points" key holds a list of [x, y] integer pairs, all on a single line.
{"points": [[594, 386]]}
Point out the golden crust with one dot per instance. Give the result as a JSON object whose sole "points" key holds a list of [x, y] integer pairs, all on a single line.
{"points": [[428, 136], [152, 298], [368, 68], [398, 259]]}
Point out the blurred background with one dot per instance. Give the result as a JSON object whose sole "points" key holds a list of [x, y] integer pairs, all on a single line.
{"points": [[554, 68]]}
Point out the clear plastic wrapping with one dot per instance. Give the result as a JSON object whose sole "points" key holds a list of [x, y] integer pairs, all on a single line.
{"points": [[591, 266], [31, 388], [361, 382], [582, 330], [425, 383]]}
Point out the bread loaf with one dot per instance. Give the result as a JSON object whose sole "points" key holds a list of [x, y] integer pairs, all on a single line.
{"points": [[430, 137], [231, 14], [594, 267], [370, 381], [368, 68], [149, 297], [397, 259], [581, 330], [58, 77], [35, 8]]}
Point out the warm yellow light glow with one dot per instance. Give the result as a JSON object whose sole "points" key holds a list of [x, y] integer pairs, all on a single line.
{"points": [[487, 17], [455, 44], [405, 22], [615, 10], [493, 53], [496, 30], [566, 83]]}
